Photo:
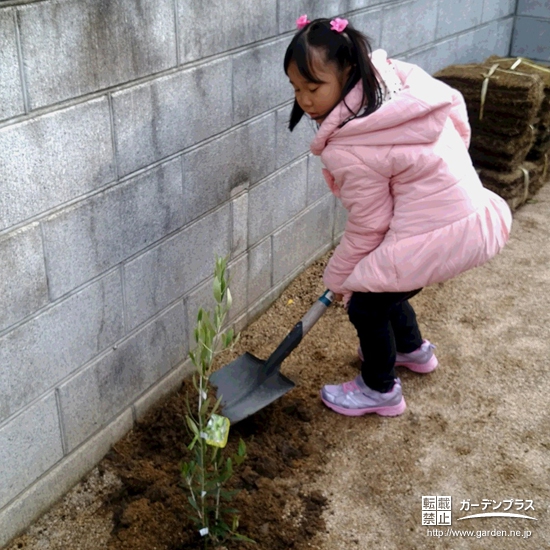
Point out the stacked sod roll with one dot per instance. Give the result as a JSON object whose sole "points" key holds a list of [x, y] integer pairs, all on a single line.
{"points": [[508, 102]]}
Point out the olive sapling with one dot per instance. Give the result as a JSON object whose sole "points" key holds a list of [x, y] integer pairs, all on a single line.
{"points": [[207, 473]]}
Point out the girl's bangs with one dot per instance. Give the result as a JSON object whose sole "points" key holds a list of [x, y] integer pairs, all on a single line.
{"points": [[301, 55]]}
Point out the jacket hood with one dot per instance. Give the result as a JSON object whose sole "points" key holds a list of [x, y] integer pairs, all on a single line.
{"points": [[416, 115]]}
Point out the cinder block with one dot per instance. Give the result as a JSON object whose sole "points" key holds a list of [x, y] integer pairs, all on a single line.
{"points": [[23, 284], [298, 241], [83, 242], [458, 16], [504, 41], [534, 8], [496, 9], [207, 28], [30, 444], [170, 383], [170, 270], [11, 95], [275, 201], [49, 160], [38, 498], [240, 158], [290, 10], [46, 349], [102, 390], [475, 46], [160, 118], [266, 301], [316, 184], [239, 217], [407, 26], [259, 81], [238, 274], [260, 265], [73, 48], [531, 38], [436, 57], [369, 23], [203, 297], [291, 145]]}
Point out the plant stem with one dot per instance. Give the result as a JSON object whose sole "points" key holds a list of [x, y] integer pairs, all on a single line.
{"points": [[218, 486], [202, 451]]}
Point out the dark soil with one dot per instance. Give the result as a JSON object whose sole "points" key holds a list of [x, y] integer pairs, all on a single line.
{"points": [[284, 452]]}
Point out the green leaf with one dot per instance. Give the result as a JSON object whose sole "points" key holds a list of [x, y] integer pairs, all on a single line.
{"points": [[192, 444], [238, 460], [192, 425], [228, 298], [229, 336], [215, 453], [216, 405], [237, 536], [229, 511], [241, 451], [225, 528], [217, 288], [204, 407], [193, 503]]}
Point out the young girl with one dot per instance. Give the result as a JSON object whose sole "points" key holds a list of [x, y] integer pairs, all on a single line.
{"points": [[394, 142]]}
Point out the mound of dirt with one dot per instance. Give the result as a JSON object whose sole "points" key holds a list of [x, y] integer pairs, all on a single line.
{"points": [[476, 429], [150, 510]]}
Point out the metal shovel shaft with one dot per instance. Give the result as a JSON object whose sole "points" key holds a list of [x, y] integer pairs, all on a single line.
{"points": [[249, 384], [294, 337]]}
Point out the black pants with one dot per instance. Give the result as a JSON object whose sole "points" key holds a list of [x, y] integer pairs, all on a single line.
{"points": [[385, 323]]}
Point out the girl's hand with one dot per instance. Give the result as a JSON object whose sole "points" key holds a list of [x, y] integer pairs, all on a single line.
{"points": [[338, 297]]}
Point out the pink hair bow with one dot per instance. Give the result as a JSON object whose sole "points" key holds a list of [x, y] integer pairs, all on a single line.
{"points": [[302, 21], [338, 24]]}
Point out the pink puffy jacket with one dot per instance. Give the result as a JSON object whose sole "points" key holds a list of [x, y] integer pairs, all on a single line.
{"points": [[417, 211]]}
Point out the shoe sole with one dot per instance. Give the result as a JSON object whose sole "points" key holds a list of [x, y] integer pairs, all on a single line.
{"points": [[422, 368], [394, 410]]}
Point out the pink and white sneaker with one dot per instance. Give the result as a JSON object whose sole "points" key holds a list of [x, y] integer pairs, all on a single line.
{"points": [[421, 360], [355, 398]]}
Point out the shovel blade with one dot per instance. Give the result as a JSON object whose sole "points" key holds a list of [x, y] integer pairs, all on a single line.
{"points": [[244, 388]]}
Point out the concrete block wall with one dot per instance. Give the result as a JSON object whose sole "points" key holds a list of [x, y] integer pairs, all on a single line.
{"points": [[531, 36], [138, 139]]}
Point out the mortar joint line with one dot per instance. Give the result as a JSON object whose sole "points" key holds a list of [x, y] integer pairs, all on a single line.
{"points": [[113, 137], [24, 90], [125, 322], [46, 266], [64, 443], [177, 33]]}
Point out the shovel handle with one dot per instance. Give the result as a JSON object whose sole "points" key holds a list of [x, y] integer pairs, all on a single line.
{"points": [[301, 328]]}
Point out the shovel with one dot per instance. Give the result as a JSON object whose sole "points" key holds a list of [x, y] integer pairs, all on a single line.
{"points": [[249, 384]]}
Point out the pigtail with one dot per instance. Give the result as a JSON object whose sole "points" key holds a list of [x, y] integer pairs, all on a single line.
{"points": [[295, 116], [349, 48], [362, 70]]}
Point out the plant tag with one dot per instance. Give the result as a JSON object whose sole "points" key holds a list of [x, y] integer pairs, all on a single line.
{"points": [[217, 431], [203, 532]]}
